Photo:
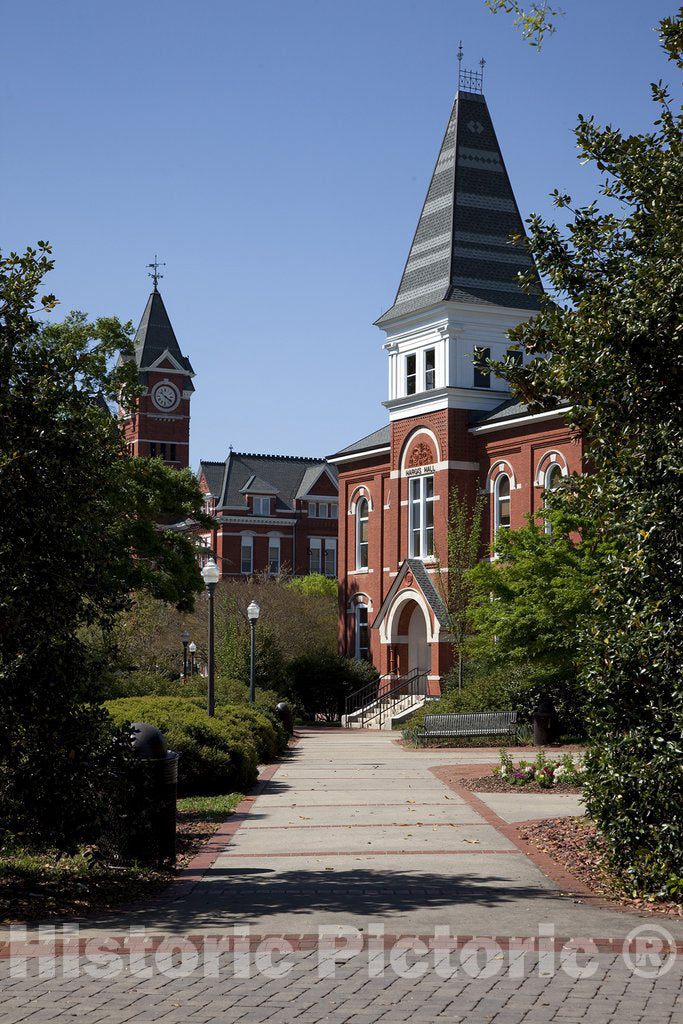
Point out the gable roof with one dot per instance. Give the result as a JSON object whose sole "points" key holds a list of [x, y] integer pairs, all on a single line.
{"points": [[424, 582], [310, 477], [282, 475], [461, 249], [378, 439], [213, 474], [155, 335]]}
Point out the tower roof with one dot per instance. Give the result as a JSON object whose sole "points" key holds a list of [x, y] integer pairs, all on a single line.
{"points": [[461, 249], [155, 336]]}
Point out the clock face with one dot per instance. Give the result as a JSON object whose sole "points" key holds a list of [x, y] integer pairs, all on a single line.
{"points": [[165, 396]]}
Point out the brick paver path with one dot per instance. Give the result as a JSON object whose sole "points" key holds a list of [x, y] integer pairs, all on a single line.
{"points": [[355, 835]]}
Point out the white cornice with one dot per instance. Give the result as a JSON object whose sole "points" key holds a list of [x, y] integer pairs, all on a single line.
{"points": [[515, 421], [424, 402], [359, 455]]}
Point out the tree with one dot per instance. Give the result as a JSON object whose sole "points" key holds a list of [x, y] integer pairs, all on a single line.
{"points": [[528, 606], [534, 20], [464, 547], [608, 341], [79, 530]]}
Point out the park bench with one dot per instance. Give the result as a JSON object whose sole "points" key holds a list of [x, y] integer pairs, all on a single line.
{"points": [[494, 723]]}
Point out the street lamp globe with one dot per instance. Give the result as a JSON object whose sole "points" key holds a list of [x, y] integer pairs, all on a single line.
{"points": [[184, 636], [210, 573], [192, 648], [253, 612]]}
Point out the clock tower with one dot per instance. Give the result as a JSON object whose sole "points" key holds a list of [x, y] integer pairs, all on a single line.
{"points": [[159, 426]]}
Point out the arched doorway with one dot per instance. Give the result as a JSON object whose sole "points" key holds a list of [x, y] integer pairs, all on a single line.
{"points": [[419, 651]]}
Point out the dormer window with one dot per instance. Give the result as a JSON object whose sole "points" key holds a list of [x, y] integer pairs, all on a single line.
{"points": [[411, 374], [261, 506]]}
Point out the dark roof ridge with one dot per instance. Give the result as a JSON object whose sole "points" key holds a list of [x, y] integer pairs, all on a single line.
{"points": [[291, 458]]}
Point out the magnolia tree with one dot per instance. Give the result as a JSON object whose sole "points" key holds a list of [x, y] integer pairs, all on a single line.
{"points": [[609, 341], [79, 531]]}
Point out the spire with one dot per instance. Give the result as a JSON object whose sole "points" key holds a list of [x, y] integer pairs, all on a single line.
{"points": [[461, 250], [155, 335]]}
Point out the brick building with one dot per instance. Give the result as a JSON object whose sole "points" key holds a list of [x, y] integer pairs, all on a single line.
{"points": [[450, 424], [273, 513]]}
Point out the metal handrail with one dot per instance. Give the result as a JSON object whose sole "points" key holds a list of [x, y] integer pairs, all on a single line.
{"points": [[411, 684], [365, 695]]}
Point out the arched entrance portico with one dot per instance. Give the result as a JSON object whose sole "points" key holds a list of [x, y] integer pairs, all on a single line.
{"points": [[409, 635]]}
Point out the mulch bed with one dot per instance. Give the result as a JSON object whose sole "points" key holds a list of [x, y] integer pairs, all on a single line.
{"points": [[68, 888], [494, 784], [575, 844]]}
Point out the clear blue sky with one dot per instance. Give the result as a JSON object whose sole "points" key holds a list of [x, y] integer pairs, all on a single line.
{"points": [[276, 154]]}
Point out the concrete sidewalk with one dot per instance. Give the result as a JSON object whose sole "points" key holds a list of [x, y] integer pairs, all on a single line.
{"points": [[353, 829]]}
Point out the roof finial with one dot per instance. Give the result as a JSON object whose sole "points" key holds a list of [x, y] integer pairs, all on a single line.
{"points": [[155, 275], [459, 60], [482, 65]]}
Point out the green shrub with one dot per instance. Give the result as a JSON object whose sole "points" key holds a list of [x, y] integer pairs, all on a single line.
{"points": [[218, 755], [268, 735], [319, 683]]}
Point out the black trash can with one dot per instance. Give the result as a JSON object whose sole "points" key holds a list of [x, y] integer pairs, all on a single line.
{"points": [[284, 713], [155, 836], [544, 721]]}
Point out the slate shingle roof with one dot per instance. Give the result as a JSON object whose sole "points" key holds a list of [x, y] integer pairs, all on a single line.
{"points": [[378, 439], [461, 249], [281, 474], [155, 335], [213, 474], [510, 409]]}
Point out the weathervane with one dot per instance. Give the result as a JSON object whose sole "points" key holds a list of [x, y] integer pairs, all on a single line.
{"points": [[155, 275], [459, 59]]}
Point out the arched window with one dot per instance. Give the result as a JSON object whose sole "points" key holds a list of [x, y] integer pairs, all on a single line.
{"points": [[502, 502], [553, 476], [362, 534]]}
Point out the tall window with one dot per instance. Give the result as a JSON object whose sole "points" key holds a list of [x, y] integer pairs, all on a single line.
{"points": [[312, 509], [515, 355], [411, 374], [330, 557], [502, 502], [261, 506], [153, 449], [247, 559], [362, 534], [421, 516], [482, 374], [274, 556], [430, 369], [322, 510], [362, 633], [553, 476], [334, 510], [315, 555]]}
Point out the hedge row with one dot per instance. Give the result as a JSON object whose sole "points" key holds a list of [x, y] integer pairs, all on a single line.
{"points": [[217, 755]]}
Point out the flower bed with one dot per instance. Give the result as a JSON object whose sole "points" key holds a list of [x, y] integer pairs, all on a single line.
{"points": [[548, 773]]}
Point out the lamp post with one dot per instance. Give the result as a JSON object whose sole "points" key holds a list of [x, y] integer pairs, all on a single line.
{"points": [[252, 614], [184, 637], [193, 650], [210, 575]]}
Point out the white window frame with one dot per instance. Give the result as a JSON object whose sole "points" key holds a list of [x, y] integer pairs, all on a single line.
{"points": [[547, 480], [418, 531], [334, 510], [247, 542], [411, 375], [429, 372], [273, 545], [330, 549], [315, 544], [312, 509], [497, 525], [361, 504], [323, 510], [262, 506], [356, 623]]}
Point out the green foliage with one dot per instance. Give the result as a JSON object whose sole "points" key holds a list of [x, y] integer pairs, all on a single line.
{"points": [[505, 688], [209, 808], [217, 755], [545, 772], [78, 531], [315, 585], [533, 20], [465, 522], [611, 343], [529, 605], [318, 683]]}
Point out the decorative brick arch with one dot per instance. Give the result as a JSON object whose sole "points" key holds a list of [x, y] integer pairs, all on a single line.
{"points": [[548, 459], [359, 598], [420, 448], [498, 467], [390, 625], [361, 491]]}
